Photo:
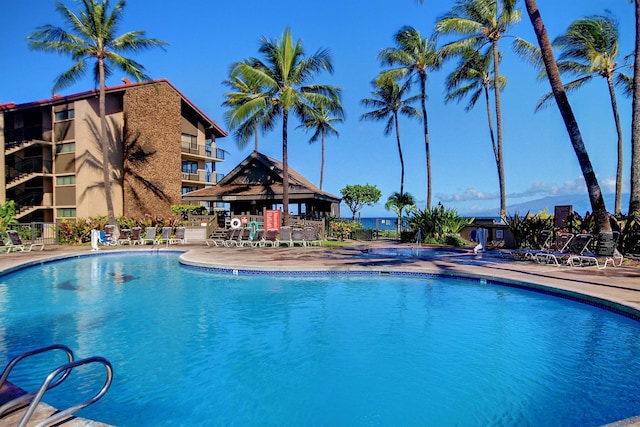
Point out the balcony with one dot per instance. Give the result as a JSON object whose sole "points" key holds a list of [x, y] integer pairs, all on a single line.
{"points": [[200, 176], [16, 139], [26, 170], [202, 151]]}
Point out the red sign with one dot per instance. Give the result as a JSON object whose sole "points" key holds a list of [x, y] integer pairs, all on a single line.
{"points": [[272, 220]]}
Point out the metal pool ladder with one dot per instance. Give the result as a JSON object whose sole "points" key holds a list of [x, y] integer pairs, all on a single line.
{"points": [[55, 378]]}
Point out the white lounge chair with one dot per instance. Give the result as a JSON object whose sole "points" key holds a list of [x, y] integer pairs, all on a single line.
{"points": [[149, 236], [179, 238], [165, 236], [17, 244]]}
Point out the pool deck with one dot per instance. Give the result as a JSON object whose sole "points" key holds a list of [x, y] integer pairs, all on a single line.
{"points": [[615, 287]]}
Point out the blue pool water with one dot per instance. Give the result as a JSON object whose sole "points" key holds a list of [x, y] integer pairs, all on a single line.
{"points": [[192, 347]]}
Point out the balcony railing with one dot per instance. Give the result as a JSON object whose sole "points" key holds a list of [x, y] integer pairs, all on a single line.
{"points": [[16, 137], [200, 175]]}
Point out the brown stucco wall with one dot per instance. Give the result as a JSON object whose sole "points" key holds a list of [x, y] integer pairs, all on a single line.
{"points": [[152, 162]]}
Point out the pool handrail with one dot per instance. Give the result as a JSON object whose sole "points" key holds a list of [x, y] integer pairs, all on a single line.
{"points": [[58, 416], [25, 397]]}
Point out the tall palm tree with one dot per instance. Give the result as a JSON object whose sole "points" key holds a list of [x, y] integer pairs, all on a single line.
{"points": [[388, 103], [399, 202], [472, 78], [92, 37], [634, 201], [553, 74], [482, 22], [245, 95], [322, 120], [415, 56], [284, 76], [589, 49]]}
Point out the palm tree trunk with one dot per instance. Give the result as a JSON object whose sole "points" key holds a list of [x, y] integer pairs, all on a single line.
{"points": [[593, 188], [395, 115], [106, 165], [322, 161], [255, 137], [496, 87], [285, 167], [423, 100], [616, 118], [634, 202], [490, 122]]}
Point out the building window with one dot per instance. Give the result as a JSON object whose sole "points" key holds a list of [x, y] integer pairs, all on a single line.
{"points": [[66, 180], [189, 166], [66, 212], [64, 115], [189, 142], [186, 190], [66, 147]]}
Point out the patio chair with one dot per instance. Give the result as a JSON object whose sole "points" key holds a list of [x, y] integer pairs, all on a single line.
{"points": [[179, 238], [149, 236], [311, 237], [17, 244], [297, 237], [125, 237], [270, 238], [244, 239], [234, 236], [541, 242], [3, 246], [136, 236], [606, 252], [111, 234], [256, 240], [165, 235], [218, 238], [577, 245], [285, 236]]}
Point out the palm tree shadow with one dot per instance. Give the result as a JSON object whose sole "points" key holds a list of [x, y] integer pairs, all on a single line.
{"points": [[133, 155]]}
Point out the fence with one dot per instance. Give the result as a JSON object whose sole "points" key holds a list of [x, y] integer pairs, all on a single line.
{"points": [[38, 232]]}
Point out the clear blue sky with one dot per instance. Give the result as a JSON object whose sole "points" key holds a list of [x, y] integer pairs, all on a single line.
{"points": [[206, 37]]}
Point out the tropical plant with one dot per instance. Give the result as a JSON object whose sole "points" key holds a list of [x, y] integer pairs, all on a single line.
{"points": [[472, 78], [341, 229], [358, 196], [438, 222], [483, 22], [283, 78], [399, 203], [599, 210], [589, 49], [322, 120], [92, 37], [245, 95], [414, 56], [7, 214], [388, 103]]}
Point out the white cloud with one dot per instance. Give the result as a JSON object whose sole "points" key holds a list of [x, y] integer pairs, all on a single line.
{"points": [[537, 189]]}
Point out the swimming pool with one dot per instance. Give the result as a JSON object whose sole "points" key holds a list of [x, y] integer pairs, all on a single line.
{"points": [[193, 347]]}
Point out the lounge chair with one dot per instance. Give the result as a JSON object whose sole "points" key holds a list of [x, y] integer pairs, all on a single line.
{"points": [[541, 242], [136, 237], [3, 246], [125, 237], [149, 236], [17, 244], [297, 237], [577, 245], [244, 237], [606, 252], [311, 237], [234, 236], [285, 236], [165, 235], [270, 238], [218, 238], [255, 240], [179, 238], [111, 234]]}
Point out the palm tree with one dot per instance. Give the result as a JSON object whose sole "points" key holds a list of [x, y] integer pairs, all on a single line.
{"points": [[634, 202], [482, 22], [388, 103], [472, 78], [91, 37], [589, 49], [322, 120], [244, 96], [415, 56], [399, 202], [553, 74], [283, 77]]}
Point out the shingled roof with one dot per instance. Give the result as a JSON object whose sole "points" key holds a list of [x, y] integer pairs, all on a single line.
{"points": [[259, 177]]}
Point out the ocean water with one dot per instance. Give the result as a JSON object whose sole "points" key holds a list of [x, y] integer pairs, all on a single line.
{"points": [[380, 223]]}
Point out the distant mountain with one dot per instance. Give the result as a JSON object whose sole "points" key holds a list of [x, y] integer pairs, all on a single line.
{"points": [[580, 203]]}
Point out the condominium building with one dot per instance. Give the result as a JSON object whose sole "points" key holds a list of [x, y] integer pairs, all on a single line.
{"points": [[161, 146]]}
